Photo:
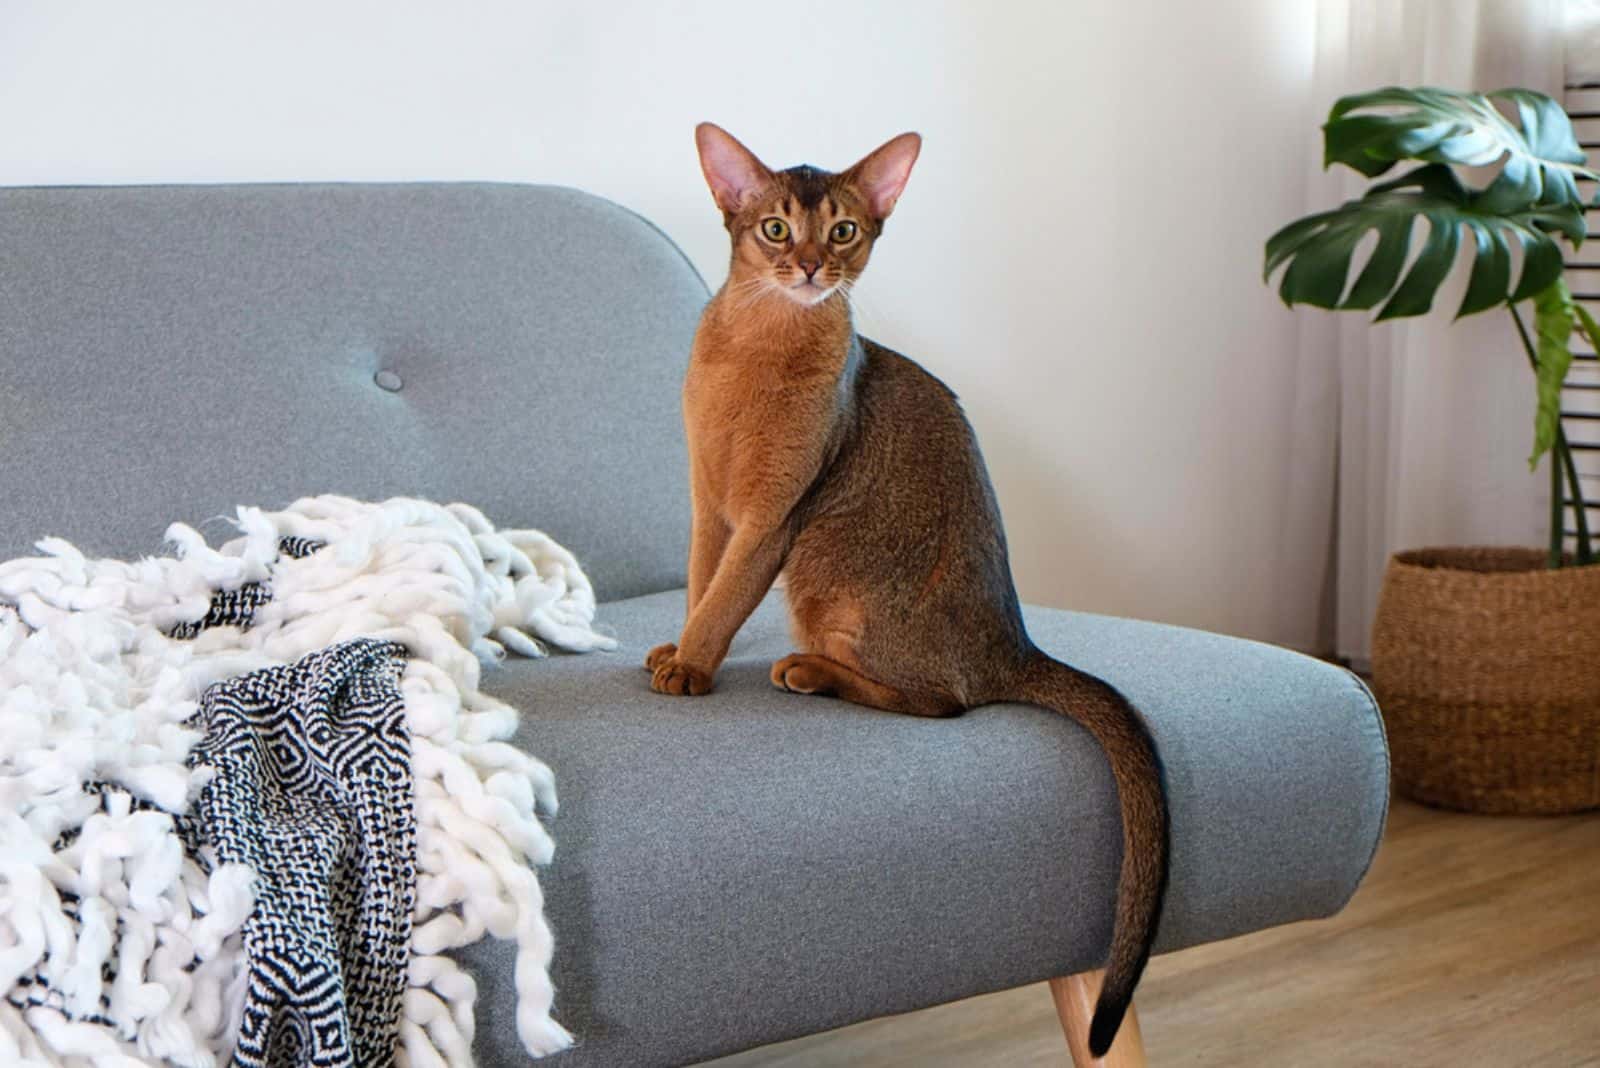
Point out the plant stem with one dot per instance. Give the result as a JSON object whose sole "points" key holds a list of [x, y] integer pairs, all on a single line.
{"points": [[1579, 508], [1561, 462], [1557, 517]]}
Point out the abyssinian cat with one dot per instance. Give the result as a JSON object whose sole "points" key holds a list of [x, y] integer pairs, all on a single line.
{"points": [[818, 453]]}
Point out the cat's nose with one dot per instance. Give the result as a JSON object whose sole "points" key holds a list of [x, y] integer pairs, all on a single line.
{"points": [[811, 267]]}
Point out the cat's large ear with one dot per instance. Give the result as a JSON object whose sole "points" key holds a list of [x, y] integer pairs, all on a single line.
{"points": [[882, 176], [732, 171]]}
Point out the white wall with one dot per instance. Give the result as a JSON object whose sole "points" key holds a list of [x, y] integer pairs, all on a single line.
{"points": [[1077, 254]]}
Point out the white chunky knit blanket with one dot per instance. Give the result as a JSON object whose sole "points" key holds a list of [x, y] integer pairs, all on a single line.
{"points": [[120, 935]]}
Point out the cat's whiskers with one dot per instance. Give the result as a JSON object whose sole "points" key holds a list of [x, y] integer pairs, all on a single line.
{"points": [[846, 287], [743, 293], [740, 294]]}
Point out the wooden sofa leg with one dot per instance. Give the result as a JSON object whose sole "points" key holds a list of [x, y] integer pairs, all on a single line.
{"points": [[1074, 997]]}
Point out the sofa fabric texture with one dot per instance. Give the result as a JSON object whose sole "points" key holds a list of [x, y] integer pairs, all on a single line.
{"points": [[730, 870], [754, 865], [171, 352]]}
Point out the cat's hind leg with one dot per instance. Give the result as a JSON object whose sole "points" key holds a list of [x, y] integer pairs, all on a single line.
{"points": [[810, 673]]}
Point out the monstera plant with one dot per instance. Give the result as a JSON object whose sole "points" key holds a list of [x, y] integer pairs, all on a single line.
{"points": [[1514, 224], [1480, 655]]}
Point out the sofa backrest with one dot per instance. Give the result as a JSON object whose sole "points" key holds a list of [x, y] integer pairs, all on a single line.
{"points": [[171, 352]]}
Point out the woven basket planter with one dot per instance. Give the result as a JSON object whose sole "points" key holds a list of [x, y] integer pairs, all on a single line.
{"points": [[1487, 667]]}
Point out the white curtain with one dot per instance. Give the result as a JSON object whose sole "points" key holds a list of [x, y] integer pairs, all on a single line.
{"points": [[1583, 42], [1435, 416]]}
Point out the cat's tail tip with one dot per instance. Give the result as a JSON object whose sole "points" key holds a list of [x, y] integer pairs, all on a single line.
{"points": [[1107, 1021]]}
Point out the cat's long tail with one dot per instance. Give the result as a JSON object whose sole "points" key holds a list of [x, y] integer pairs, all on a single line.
{"points": [[1114, 723]]}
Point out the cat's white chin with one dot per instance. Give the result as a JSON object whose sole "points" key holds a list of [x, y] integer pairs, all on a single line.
{"points": [[808, 294]]}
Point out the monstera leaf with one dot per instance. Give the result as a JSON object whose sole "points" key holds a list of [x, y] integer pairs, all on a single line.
{"points": [[1532, 199], [1319, 248], [1556, 317], [1371, 132]]}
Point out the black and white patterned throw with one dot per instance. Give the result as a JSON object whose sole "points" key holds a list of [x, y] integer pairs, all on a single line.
{"points": [[312, 790]]}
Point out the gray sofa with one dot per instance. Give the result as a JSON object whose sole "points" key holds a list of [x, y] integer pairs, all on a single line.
{"points": [[732, 870]]}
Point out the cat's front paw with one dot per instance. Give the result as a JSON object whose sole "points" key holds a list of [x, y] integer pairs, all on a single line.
{"points": [[659, 655], [673, 676]]}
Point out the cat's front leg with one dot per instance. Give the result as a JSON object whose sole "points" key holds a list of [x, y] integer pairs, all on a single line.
{"points": [[708, 539], [752, 560]]}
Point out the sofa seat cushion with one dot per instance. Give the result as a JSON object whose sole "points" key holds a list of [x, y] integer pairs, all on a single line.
{"points": [[751, 866]]}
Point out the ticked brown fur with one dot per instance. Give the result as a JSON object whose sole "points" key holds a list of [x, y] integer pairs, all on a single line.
{"points": [[816, 452]]}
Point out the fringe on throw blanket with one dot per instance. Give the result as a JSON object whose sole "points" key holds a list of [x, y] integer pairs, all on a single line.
{"points": [[136, 940]]}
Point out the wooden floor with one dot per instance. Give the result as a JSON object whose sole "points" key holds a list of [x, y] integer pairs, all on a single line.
{"points": [[1473, 943]]}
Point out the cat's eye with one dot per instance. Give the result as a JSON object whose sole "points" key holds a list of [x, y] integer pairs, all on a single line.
{"points": [[842, 233], [774, 229]]}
